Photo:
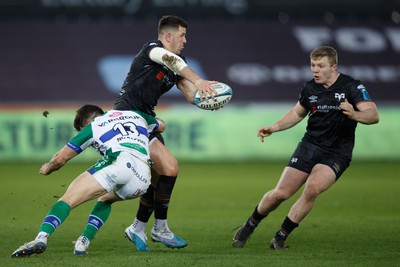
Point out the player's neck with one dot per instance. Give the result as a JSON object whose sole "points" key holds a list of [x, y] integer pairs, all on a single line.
{"points": [[332, 80]]}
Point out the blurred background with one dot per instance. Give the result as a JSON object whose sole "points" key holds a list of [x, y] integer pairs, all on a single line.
{"points": [[56, 55]]}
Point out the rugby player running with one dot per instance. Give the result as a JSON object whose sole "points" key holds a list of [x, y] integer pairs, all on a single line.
{"points": [[334, 103]]}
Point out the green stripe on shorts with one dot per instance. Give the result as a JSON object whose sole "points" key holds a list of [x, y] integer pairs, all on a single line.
{"points": [[104, 162]]}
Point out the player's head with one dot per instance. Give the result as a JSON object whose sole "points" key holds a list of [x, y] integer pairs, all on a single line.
{"points": [[169, 22], [172, 33], [324, 65], [325, 51], [85, 114]]}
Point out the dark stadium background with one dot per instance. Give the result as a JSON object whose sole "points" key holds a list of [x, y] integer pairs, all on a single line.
{"points": [[68, 50]]}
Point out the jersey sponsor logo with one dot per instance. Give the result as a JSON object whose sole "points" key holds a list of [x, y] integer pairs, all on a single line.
{"points": [[115, 114], [327, 108], [340, 96], [294, 160], [136, 147], [118, 118], [136, 173]]}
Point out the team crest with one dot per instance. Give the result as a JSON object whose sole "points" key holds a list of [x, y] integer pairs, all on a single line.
{"points": [[340, 96]]}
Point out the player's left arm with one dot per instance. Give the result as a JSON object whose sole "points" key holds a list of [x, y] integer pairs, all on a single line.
{"points": [[188, 90], [179, 66], [58, 160], [367, 112]]}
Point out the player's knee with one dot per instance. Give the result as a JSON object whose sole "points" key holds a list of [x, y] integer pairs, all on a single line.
{"points": [[173, 171], [171, 168], [311, 192], [280, 195]]}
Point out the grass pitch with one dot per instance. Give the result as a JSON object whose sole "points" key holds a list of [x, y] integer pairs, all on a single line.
{"points": [[355, 223]]}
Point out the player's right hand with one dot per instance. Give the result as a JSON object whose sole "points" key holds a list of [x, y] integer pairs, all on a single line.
{"points": [[44, 169], [264, 132]]}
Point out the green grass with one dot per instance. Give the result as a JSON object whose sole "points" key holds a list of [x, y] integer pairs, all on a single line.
{"points": [[355, 223]]}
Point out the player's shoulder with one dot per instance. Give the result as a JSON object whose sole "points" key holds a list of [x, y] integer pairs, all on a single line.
{"points": [[151, 44], [348, 80], [309, 85], [147, 47]]}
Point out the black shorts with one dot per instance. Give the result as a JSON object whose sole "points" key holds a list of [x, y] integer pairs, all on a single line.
{"points": [[307, 155], [157, 135]]}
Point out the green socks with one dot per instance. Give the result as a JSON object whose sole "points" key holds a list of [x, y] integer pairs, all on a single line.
{"points": [[99, 215], [56, 216]]}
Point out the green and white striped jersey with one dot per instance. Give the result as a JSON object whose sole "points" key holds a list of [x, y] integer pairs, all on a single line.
{"points": [[117, 130]]}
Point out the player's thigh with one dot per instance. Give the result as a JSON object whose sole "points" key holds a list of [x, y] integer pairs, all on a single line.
{"points": [[291, 180], [82, 189], [164, 162], [121, 169], [321, 178]]}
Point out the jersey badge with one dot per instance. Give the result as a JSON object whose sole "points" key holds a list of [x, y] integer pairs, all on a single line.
{"points": [[340, 96], [313, 98]]}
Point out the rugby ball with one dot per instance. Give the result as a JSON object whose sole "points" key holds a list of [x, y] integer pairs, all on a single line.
{"points": [[224, 96]]}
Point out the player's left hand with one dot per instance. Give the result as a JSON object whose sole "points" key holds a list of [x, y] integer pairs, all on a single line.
{"points": [[205, 89], [347, 109]]}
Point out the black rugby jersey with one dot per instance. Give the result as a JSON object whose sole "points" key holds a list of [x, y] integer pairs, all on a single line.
{"points": [[327, 126], [146, 82]]}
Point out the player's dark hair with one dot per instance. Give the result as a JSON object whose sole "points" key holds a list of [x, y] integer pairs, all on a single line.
{"points": [[170, 21], [325, 51], [84, 114]]}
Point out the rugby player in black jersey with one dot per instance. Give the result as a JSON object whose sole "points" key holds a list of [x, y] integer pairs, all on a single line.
{"points": [[157, 67], [334, 103]]}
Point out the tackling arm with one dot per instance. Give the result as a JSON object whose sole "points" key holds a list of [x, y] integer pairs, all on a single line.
{"points": [[58, 160]]}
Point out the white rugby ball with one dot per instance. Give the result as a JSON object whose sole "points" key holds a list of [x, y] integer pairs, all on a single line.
{"points": [[223, 97]]}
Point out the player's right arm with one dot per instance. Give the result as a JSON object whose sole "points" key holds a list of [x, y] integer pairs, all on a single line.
{"points": [[74, 147], [290, 119], [58, 160]]}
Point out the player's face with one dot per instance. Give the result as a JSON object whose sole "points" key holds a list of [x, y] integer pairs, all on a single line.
{"points": [[323, 72], [178, 40]]}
